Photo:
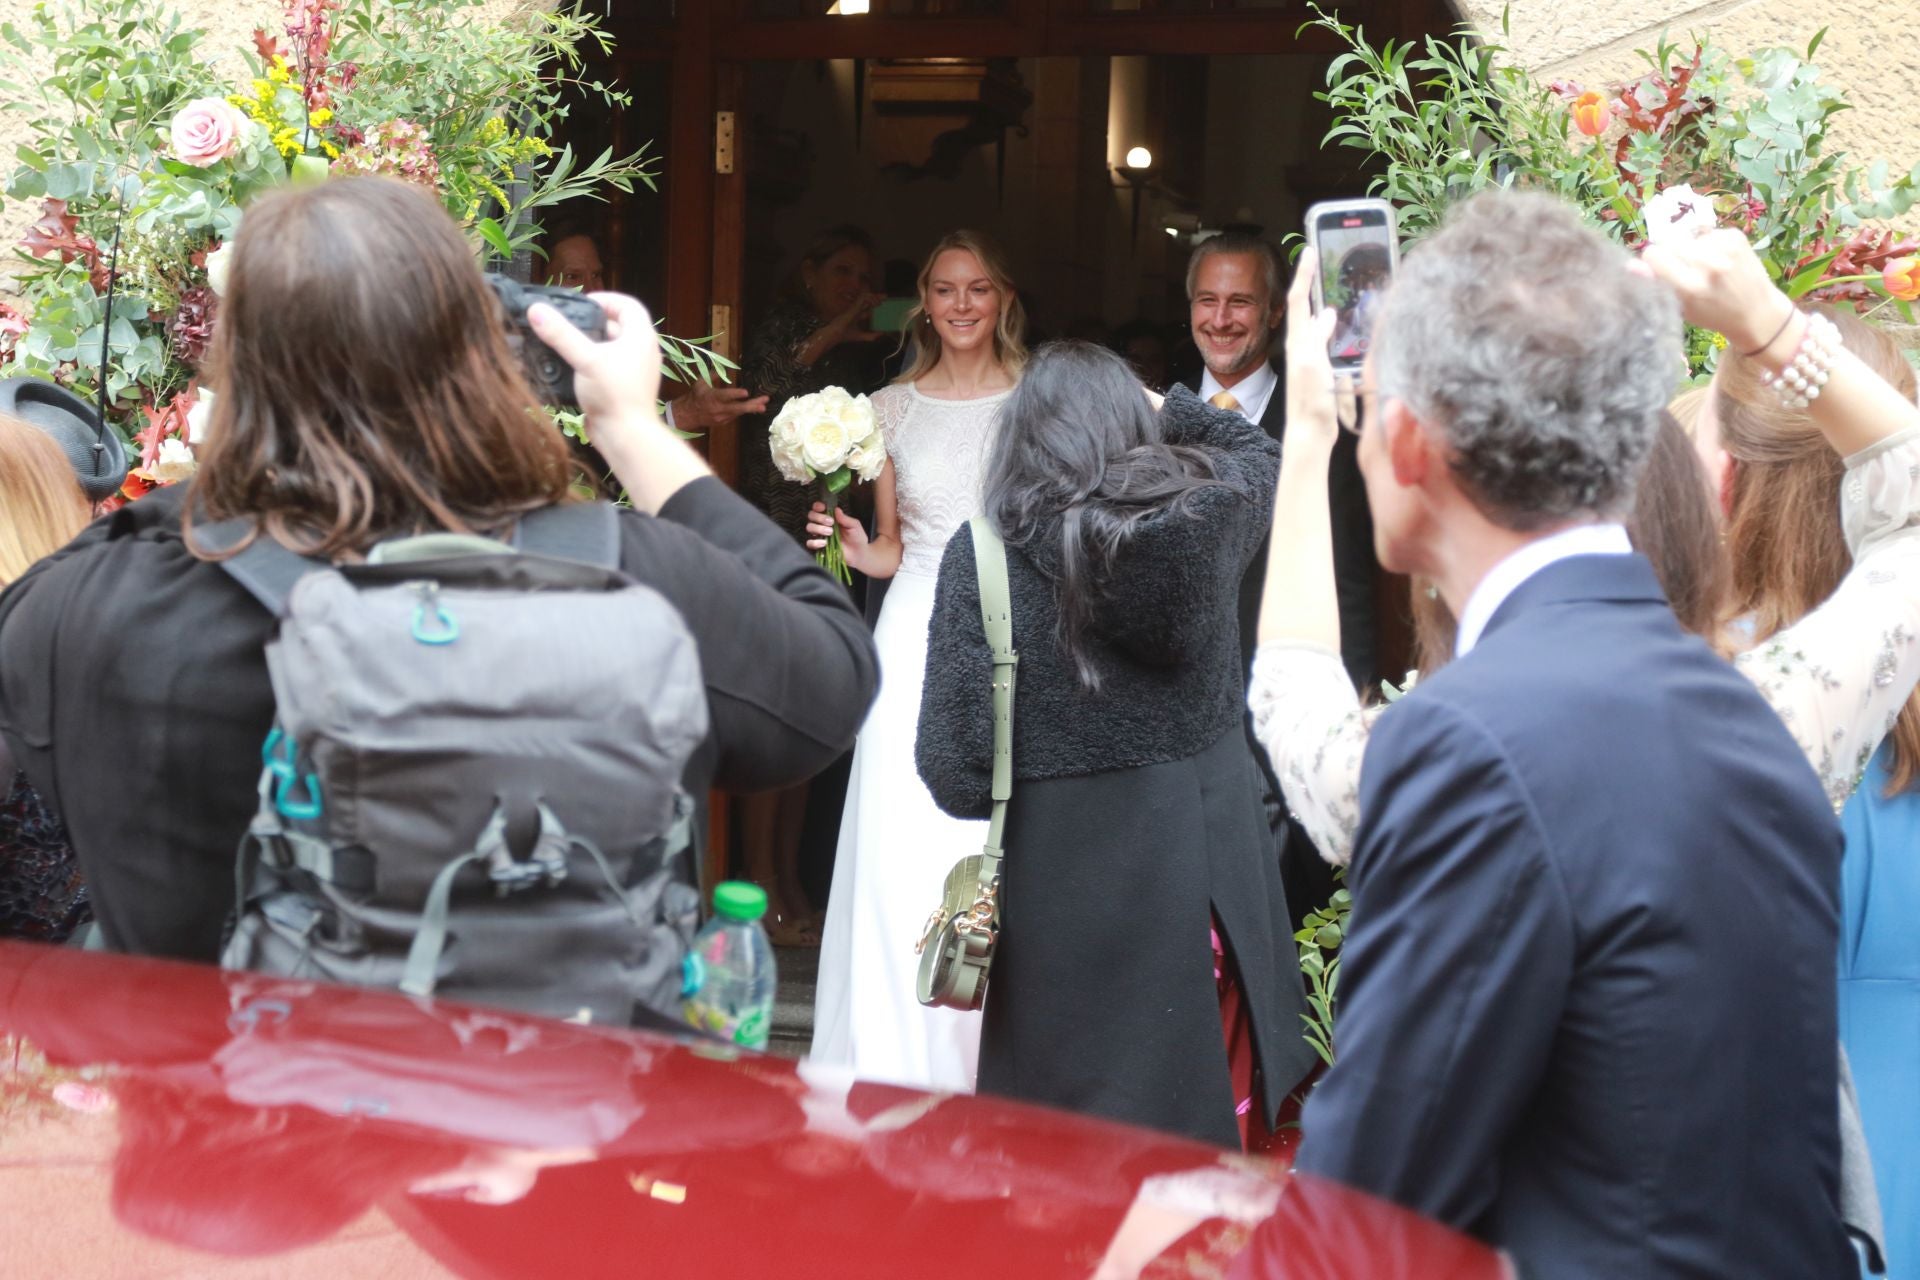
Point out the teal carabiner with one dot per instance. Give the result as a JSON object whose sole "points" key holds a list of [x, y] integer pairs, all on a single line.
{"points": [[445, 630], [278, 756], [278, 764], [448, 630], [299, 810]]}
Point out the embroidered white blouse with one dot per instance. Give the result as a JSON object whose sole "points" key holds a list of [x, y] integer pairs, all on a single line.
{"points": [[1838, 677]]}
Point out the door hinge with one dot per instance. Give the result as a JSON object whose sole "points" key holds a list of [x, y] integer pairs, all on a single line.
{"points": [[723, 142]]}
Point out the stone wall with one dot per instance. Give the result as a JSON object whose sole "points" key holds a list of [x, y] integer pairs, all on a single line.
{"points": [[1869, 52]]}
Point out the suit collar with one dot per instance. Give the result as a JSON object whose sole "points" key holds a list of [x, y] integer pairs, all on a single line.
{"points": [[1273, 411], [1582, 579], [1523, 562]]}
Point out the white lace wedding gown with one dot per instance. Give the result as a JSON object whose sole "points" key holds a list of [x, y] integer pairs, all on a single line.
{"points": [[896, 846]]}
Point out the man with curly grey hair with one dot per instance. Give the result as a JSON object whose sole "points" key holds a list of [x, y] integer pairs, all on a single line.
{"points": [[1587, 1008]]}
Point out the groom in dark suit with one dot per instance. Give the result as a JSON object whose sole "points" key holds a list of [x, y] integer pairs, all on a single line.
{"points": [[1588, 1003]]}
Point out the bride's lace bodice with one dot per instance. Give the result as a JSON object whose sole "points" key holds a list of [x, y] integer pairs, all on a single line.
{"points": [[939, 454]]}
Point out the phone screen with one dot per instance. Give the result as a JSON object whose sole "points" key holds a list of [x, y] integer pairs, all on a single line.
{"points": [[1356, 261]]}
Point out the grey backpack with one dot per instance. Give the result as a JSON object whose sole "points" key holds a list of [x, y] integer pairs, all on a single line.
{"points": [[472, 787]]}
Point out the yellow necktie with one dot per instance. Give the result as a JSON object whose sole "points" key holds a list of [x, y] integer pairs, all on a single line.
{"points": [[1225, 400]]}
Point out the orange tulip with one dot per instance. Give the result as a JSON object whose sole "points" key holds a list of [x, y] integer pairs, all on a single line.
{"points": [[1902, 278], [1591, 115]]}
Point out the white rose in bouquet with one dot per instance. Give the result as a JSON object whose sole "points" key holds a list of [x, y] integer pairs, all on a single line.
{"points": [[867, 458], [829, 437], [825, 443], [788, 458]]}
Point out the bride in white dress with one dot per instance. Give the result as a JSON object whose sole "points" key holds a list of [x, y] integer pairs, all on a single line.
{"points": [[895, 844]]}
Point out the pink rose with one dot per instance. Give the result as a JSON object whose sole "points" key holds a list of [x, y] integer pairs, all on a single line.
{"points": [[206, 131]]}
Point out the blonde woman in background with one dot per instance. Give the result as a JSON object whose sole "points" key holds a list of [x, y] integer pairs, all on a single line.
{"points": [[938, 421], [42, 896]]}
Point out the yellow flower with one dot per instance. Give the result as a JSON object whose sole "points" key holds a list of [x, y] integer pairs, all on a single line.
{"points": [[1719, 341], [263, 90], [320, 117], [333, 152]]}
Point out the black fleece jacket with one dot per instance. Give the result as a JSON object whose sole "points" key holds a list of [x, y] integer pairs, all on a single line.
{"points": [[134, 691], [1166, 637]]}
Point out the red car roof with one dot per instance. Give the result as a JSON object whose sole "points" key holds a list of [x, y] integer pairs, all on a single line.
{"points": [[159, 1119]]}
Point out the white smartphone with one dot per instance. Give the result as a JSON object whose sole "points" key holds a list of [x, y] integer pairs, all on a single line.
{"points": [[1359, 251]]}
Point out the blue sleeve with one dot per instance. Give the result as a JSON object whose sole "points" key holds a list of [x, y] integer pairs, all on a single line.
{"points": [[1455, 970]]}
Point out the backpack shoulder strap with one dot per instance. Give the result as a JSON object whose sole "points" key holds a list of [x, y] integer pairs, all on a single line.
{"points": [[266, 569], [588, 532]]}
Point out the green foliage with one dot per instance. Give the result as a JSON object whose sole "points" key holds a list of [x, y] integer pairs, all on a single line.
{"points": [[426, 90], [489, 96], [1447, 117], [1319, 939]]}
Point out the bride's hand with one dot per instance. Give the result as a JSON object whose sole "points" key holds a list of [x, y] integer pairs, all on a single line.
{"points": [[853, 535]]}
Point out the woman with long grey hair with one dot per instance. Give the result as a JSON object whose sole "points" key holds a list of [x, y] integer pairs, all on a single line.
{"points": [[1136, 818]]}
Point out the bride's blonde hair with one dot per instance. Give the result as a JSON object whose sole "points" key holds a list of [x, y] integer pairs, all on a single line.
{"points": [[1009, 330]]}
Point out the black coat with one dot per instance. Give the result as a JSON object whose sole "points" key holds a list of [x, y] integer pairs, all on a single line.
{"points": [[1355, 569], [134, 691], [1308, 877], [1587, 1008], [1136, 809]]}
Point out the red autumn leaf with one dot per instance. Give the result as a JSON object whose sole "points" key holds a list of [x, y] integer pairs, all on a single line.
{"points": [[1671, 106], [57, 231], [266, 46], [161, 425], [1865, 253]]}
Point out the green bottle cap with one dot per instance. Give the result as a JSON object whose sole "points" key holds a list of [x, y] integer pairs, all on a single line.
{"points": [[738, 900]]}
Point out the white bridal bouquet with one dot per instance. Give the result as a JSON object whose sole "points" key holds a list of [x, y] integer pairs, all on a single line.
{"points": [[830, 438]]}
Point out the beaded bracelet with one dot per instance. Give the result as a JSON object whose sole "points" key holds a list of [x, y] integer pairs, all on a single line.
{"points": [[1798, 384]]}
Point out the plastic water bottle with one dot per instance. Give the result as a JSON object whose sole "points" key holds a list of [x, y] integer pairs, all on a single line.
{"points": [[728, 980]]}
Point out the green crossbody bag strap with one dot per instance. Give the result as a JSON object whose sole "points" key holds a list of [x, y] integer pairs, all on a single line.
{"points": [[996, 615]]}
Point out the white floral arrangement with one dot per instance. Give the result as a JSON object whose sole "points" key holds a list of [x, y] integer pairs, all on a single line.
{"points": [[829, 438]]}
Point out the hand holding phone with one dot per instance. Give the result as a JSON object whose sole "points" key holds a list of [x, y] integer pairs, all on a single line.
{"points": [[1358, 251]]}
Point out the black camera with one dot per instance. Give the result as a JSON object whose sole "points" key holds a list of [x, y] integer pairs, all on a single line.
{"points": [[552, 377]]}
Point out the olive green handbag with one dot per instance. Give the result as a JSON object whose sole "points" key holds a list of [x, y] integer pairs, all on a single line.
{"points": [[956, 948]]}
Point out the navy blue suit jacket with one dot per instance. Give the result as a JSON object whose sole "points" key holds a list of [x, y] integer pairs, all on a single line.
{"points": [[1587, 1006]]}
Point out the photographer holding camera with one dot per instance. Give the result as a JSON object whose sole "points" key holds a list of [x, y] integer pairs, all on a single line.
{"points": [[368, 393]]}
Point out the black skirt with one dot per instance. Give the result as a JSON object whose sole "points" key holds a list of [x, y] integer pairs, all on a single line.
{"points": [[1102, 998]]}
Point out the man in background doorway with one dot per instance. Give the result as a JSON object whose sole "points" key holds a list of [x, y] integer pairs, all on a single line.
{"points": [[573, 262], [1235, 301]]}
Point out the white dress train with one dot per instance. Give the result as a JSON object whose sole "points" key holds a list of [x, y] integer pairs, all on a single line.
{"points": [[896, 846]]}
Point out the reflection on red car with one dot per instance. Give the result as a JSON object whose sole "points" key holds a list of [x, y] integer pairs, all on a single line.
{"points": [[159, 1119]]}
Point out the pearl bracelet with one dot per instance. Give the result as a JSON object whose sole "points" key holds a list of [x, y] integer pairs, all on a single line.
{"points": [[1799, 383]]}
